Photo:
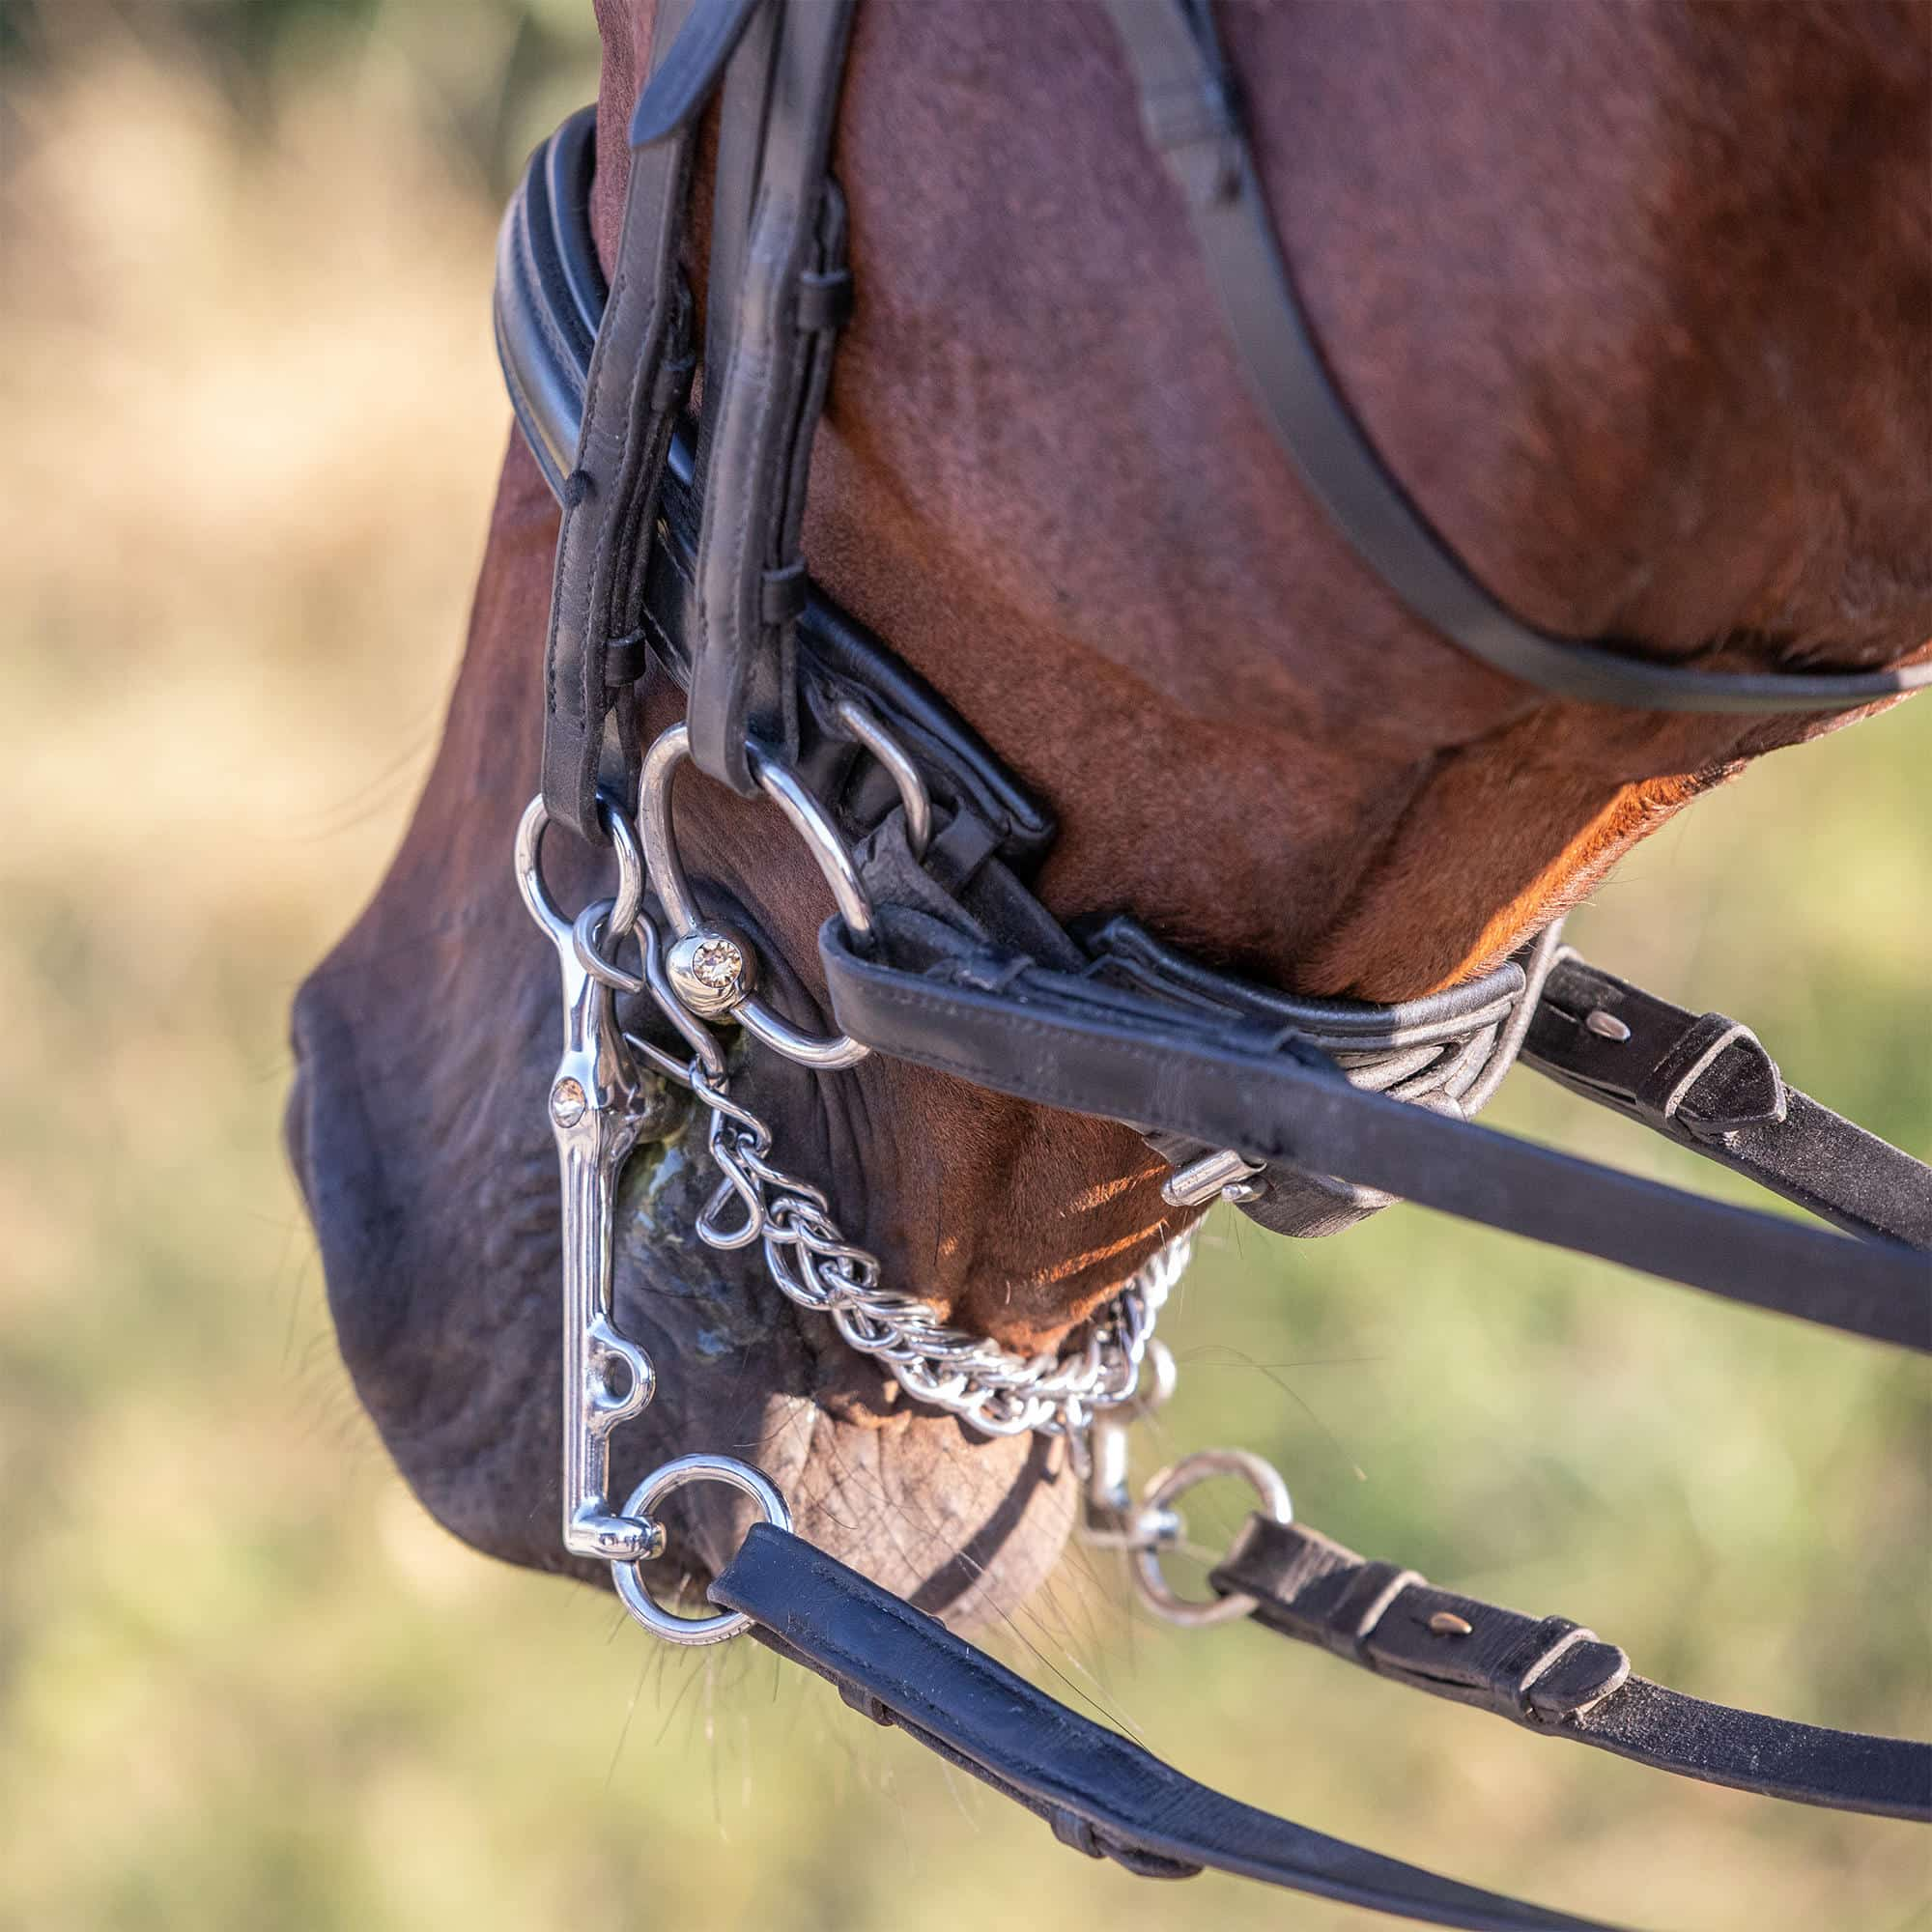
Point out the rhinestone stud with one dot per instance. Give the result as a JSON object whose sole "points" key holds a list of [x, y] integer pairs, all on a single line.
{"points": [[567, 1102], [711, 970]]}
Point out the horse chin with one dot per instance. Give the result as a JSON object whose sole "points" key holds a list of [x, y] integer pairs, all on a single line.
{"points": [[958, 1523], [439, 1234]]}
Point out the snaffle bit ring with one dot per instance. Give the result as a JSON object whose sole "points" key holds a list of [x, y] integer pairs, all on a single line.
{"points": [[621, 913], [629, 1578], [811, 821], [1165, 1491]]}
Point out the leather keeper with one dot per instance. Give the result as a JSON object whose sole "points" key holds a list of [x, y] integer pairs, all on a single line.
{"points": [[1535, 1670], [824, 299], [866, 1704], [1721, 1055], [1081, 1834], [781, 594], [627, 659], [1173, 116]]}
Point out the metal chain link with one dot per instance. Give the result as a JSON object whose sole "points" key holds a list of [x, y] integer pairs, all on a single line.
{"points": [[992, 1389], [710, 973], [599, 1105]]}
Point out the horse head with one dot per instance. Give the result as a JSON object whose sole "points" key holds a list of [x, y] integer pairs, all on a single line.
{"points": [[1652, 375]]}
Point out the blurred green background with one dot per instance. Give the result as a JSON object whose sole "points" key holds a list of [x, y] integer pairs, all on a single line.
{"points": [[252, 424]]}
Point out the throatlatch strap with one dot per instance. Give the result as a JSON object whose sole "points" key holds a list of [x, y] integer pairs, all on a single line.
{"points": [[1192, 120], [1554, 1677], [768, 358], [1100, 1793]]}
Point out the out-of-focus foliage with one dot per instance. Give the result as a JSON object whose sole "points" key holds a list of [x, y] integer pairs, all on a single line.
{"points": [[252, 425], [490, 76]]}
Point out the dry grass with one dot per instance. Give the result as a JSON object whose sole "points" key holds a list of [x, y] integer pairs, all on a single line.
{"points": [[252, 423]]}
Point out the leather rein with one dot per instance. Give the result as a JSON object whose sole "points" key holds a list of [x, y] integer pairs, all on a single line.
{"points": [[1308, 1115]]}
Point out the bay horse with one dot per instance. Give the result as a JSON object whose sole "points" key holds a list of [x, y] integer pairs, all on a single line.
{"points": [[1654, 361]]}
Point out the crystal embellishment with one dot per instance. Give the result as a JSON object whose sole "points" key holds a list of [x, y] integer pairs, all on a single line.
{"points": [[718, 963], [568, 1103]]}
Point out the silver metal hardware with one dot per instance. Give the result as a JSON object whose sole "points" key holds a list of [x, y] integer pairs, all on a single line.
{"points": [[631, 872], [596, 1104], [1224, 1174], [1165, 1491], [673, 888], [643, 1502], [904, 774], [1605, 1026], [611, 1086], [599, 1104], [1110, 1519], [712, 969], [808, 1257], [991, 1388]]}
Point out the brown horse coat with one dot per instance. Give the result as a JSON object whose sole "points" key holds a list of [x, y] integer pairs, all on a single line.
{"points": [[1637, 299]]}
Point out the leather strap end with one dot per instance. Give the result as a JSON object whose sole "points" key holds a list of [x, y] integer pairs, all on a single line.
{"points": [[689, 74], [570, 758]]}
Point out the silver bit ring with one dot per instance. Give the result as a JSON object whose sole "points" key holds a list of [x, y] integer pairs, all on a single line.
{"points": [[644, 1499], [822, 839], [630, 898]]}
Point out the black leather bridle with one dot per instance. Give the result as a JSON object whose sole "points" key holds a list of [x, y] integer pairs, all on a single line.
{"points": [[679, 550]]}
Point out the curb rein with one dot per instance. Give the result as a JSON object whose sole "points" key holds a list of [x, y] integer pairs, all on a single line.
{"points": [[939, 953]]}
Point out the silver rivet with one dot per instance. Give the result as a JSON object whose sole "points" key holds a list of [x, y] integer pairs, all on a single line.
{"points": [[1605, 1026], [1446, 1623], [711, 970], [567, 1102]]}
